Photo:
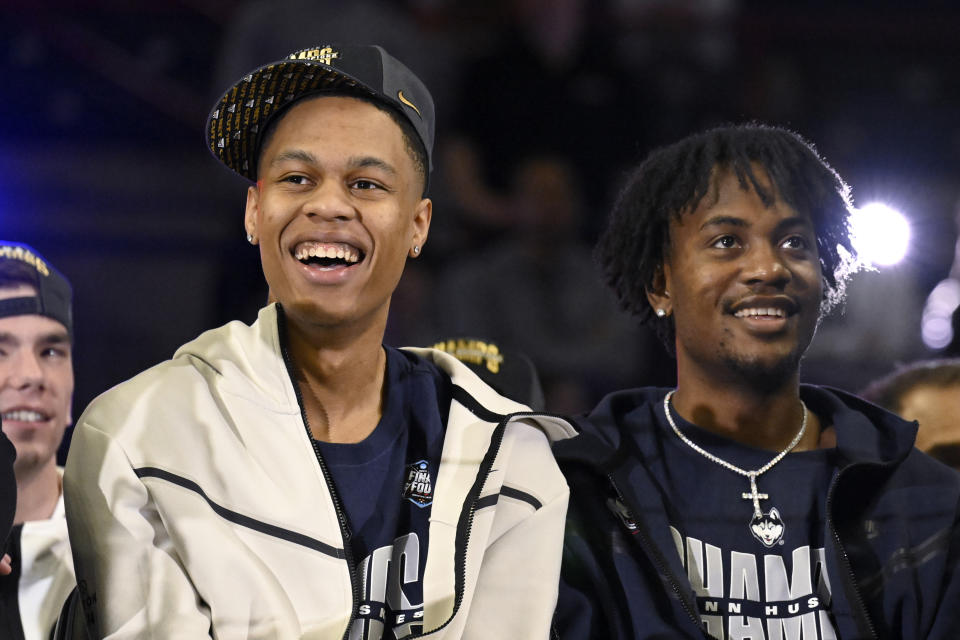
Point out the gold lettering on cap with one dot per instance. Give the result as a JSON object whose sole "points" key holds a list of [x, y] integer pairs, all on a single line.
{"points": [[27, 257], [324, 55]]}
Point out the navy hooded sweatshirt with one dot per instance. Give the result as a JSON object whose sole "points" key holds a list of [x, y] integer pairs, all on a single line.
{"points": [[891, 536]]}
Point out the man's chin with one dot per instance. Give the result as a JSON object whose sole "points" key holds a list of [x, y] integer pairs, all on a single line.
{"points": [[29, 460], [765, 374], [313, 313]]}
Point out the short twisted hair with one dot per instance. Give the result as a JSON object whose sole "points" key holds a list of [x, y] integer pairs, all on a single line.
{"points": [[673, 180]]}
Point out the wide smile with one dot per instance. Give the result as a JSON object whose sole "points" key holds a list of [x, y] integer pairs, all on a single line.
{"points": [[765, 316], [328, 255], [325, 261], [24, 416]]}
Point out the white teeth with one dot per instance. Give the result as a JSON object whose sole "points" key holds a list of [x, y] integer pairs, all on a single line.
{"points": [[326, 251], [756, 312], [23, 415]]}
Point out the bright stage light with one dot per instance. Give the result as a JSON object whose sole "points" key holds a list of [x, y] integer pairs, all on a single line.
{"points": [[881, 235]]}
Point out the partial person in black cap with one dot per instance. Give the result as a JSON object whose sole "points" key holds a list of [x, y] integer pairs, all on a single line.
{"points": [[36, 392], [509, 371], [296, 478]]}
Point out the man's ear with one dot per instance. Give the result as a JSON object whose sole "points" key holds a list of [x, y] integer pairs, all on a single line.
{"points": [[658, 294], [250, 215], [422, 216]]}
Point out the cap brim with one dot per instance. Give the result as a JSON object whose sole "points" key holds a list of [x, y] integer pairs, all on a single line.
{"points": [[239, 117]]}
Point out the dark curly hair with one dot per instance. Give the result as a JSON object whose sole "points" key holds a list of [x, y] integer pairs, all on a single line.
{"points": [[673, 180]]}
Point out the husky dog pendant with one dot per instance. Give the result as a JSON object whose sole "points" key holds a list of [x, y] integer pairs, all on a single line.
{"points": [[767, 527]]}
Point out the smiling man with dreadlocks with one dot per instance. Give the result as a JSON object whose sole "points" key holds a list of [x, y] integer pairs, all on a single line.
{"points": [[742, 504]]}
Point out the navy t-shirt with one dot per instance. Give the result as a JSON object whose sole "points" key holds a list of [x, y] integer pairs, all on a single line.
{"points": [[753, 577], [385, 484]]}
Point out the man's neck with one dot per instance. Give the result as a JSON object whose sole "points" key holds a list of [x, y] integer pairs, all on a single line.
{"points": [[341, 378], [766, 419], [38, 490]]}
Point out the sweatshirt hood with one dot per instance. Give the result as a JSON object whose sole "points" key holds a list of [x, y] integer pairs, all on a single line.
{"points": [[246, 360]]}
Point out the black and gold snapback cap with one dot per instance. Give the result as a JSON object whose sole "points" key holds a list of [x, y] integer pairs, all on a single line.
{"points": [[239, 118]]}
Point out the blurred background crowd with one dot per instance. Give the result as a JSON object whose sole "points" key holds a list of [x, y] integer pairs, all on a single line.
{"points": [[542, 105]]}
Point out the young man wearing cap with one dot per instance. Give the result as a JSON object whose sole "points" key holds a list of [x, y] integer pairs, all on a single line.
{"points": [[36, 390], [742, 504], [296, 478]]}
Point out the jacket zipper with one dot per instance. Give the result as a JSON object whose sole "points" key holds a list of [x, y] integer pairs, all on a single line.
{"points": [[337, 505], [652, 553], [858, 597], [495, 441]]}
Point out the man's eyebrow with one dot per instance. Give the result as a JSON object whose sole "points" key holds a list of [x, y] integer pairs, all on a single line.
{"points": [[733, 221], [296, 155], [723, 220], [56, 337], [358, 162], [794, 221], [361, 162]]}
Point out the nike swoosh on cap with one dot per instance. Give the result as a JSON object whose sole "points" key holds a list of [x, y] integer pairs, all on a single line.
{"points": [[402, 98]]}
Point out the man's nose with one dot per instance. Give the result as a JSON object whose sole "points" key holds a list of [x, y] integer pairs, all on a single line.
{"points": [[765, 264], [25, 370], [330, 200]]}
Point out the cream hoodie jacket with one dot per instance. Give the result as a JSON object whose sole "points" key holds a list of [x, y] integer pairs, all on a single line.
{"points": [[197, 506]]}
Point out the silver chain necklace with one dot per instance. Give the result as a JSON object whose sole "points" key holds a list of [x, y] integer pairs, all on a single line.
{"points": [[752, 475]]}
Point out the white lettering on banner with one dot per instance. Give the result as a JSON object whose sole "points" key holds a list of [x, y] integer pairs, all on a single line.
{"points": [[384, 573], [762, 599]]}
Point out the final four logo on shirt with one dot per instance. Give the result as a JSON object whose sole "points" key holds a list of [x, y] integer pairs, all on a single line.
{"points": [[418, 488]]}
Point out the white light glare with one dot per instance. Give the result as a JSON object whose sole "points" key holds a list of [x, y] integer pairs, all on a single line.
{"points": [[881, 235], [937, 322]]}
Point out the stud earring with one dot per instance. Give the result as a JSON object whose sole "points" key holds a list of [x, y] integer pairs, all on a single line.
{"points": [[416, 249], [249, 238], [661, 313]]}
